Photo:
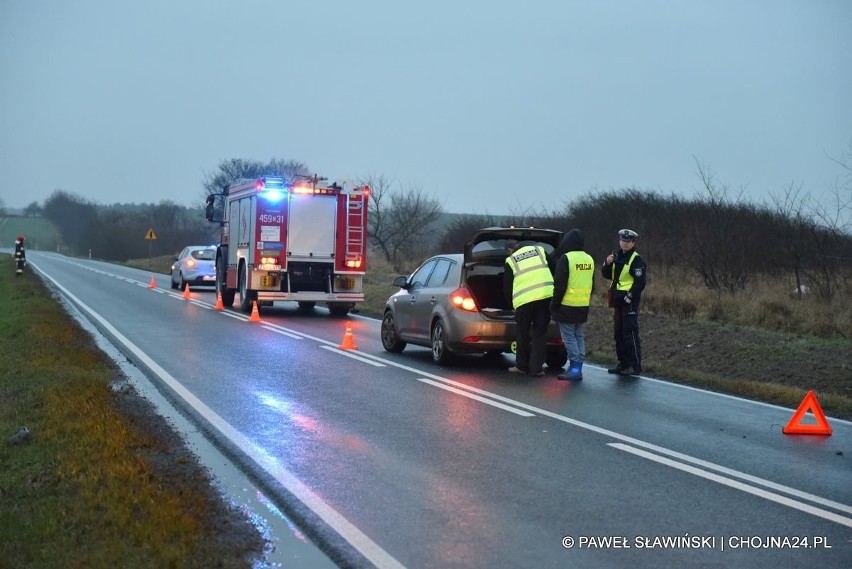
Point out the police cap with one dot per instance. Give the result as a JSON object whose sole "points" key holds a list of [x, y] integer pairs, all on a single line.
{"points": [[627, 235]]}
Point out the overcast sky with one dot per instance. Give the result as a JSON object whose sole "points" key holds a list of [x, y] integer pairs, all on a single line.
{"points": [[489, 106]]}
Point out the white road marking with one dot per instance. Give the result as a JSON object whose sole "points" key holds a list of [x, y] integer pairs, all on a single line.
{"points": [[349, 354], [234, 316], [363, 544], [831, 516], [476, 397], [279, 330]]}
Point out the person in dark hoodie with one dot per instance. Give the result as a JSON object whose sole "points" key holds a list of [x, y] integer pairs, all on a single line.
{"points": [[573, 281]]}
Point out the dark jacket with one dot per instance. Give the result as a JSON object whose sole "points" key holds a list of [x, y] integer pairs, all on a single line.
{"points": [[638, 269], [572, 241]]}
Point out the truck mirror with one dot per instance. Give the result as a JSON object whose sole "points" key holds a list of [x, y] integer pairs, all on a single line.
{"points": [[208, 211]]}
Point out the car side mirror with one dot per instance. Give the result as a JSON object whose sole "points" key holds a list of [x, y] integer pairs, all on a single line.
{"points": [[400, 282]]}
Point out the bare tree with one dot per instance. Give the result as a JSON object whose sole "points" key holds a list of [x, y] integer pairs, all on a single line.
{"points": [[791, 208], [838, 215], [717, 238], [400, 219], [33, 210], [234, 169]]}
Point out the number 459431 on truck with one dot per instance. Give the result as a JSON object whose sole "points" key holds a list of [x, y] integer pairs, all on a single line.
{"points": [[301, 241]]}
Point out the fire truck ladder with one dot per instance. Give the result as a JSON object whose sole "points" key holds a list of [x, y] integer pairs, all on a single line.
{"points": [[356, 212]]}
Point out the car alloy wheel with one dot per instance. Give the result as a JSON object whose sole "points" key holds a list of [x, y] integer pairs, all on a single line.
{"points": [[440, 353], [390, 335]]}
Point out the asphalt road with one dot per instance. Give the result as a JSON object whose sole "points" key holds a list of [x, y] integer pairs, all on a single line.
{"points": [[391, 461]]}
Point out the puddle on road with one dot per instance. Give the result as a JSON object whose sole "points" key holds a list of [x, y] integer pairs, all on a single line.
{"points": [[287, 547]]}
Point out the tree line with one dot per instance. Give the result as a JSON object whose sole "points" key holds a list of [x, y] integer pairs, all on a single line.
{"points": [[717, 235], [117, 232]]}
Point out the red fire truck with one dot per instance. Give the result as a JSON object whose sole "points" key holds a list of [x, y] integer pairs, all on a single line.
{"points": [[302, 241]]}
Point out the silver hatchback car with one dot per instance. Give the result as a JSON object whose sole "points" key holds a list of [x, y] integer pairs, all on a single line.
{"points": [[455, 304], [195, 266]]}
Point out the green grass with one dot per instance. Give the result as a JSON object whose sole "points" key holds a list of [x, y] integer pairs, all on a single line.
{"points": [[82, 492], [40, 233]]}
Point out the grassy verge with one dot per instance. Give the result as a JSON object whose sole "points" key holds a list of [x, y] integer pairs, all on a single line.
{"points": [[100, 481]]}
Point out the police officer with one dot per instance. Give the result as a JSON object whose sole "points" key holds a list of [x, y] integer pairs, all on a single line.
{"points": [[573, 280], [20, 256], [627, 270], [528, 282]]}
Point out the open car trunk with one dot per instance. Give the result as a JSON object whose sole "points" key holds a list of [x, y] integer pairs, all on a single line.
{"points": [[485, 261], [485, 283]]}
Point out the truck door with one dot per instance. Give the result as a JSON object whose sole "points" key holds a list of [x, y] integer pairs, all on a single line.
{"points": [[311, 231]]}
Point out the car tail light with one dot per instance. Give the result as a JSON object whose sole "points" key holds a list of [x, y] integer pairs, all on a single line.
{"points": [[462, 299], [190, 263]]}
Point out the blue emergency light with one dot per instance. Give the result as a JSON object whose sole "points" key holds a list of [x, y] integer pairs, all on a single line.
{"points": [[271, 189]]}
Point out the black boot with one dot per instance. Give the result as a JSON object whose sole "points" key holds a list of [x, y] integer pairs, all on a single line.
{"points": [[616, 369]]}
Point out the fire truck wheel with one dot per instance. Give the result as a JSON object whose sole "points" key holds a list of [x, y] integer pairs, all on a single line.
{"points": [[441, 355], [339, 308], [227, 297], [247, 297], [306, 305]]}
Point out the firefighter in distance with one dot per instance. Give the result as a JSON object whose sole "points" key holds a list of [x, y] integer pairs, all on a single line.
{"points": [[20, 256]]}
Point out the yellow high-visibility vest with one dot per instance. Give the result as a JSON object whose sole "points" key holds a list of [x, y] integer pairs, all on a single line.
{"points": [[625, 279], [581, 271], [532, 280]]}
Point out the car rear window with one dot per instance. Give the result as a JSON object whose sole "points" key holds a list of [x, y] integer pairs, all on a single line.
{"points": [[204, 254], [495, 249]]}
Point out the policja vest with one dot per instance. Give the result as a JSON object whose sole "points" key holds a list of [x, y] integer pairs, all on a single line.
{"points": [[625, 278], [581, 271], [532, 278]]}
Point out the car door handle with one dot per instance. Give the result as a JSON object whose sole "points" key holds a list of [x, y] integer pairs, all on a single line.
{"points": [[413, 299], [433, 300]]}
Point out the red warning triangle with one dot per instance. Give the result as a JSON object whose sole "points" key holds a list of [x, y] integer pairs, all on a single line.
{"points": [[795, 426]]}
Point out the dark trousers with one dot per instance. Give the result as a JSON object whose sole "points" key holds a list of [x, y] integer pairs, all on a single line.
{"points": [[533, 319], [628, 348]]}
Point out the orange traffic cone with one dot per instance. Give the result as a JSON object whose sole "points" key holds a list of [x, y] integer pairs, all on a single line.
{"points": [[255, 314], [186, 291], [348, 340], [219, 304], [153, 283]]}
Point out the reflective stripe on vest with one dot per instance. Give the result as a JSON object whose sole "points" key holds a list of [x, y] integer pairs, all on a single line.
{"points": [[581, 269], [532, 280], [625, 279]]}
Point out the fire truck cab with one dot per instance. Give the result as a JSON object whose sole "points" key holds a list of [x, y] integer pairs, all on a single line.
{"points": [[302, 241]]}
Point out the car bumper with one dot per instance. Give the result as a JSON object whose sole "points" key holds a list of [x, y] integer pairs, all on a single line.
{"points": [[200, 279], [475, 334]]}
